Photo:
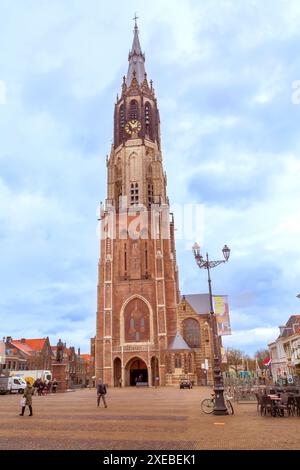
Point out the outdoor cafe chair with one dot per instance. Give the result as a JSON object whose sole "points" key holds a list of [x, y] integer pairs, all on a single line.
{"points": [[267, 406], [286, 404], [259, 400], [297, 403]]}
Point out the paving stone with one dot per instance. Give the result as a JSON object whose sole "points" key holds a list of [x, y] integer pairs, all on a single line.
{"points": [[159, 419]]}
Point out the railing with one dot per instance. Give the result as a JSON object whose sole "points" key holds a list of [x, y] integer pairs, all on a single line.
{"points": [[243, 394], [133, 348]]}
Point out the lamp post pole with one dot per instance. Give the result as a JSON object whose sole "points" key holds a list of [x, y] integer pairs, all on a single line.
{"points": [[220, 407]]}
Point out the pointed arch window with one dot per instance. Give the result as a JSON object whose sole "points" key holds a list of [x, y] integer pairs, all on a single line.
{"points": [[121, 122], [150, 194], [190, 363], [133, 109], [169, 364], [177, 361], [148, 120], [191, 332], [136, 321]]}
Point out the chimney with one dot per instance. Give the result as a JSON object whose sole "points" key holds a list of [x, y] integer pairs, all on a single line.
{"points": [[9, 339], [23, 340], [78, 351]]}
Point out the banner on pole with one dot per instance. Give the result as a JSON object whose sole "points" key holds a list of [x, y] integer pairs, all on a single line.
{"points": [[2, 352], [224, 356], [221, 310]]}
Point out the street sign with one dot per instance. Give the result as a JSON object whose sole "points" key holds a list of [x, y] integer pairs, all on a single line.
{"points": [[290, 379]]}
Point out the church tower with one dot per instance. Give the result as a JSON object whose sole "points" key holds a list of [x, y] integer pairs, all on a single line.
{"points": [[138, 290]]}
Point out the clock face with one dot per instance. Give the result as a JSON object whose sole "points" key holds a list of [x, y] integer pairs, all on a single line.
{"points": [[133, 127]]}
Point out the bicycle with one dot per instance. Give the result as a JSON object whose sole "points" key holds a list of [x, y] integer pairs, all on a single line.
{"points": [[208, 405]]}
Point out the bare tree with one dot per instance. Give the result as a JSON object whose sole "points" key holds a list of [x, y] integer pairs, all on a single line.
{"points": [[249, 363], [234, 359]]}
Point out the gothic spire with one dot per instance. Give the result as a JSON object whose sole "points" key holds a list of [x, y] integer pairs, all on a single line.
{"points": [[136, 59]]}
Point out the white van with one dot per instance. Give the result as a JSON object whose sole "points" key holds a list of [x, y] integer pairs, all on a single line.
{"points": [[12, 385], [45, 375]]}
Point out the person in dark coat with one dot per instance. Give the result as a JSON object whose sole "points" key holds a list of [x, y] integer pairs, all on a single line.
{"points": [[28, 392], [101, 392], [41, 387], [54, 386]]}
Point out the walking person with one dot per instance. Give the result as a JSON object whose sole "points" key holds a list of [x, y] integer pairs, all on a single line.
{"points": [[28, 392], [36, 386], [54, 386], [101, 392], [40, 387]]}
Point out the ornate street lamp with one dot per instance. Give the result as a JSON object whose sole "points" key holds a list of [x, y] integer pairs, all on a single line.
{"points": [[220, 407]]}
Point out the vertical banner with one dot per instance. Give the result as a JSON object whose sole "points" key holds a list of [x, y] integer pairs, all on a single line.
{"points": [[221, 310], [224, 356], [2, 352]]}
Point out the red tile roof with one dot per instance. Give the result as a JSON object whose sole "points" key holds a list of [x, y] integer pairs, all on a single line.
{"points": [[22, 346], [87, 358], [30, 345], [291, 327]]}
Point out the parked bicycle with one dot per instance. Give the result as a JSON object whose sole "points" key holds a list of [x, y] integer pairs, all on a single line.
{"points": [[208, 405]]}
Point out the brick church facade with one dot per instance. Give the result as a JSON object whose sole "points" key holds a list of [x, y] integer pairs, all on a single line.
{"points": [[142, 333]]}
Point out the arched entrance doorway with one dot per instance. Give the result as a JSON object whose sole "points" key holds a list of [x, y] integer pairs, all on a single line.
{"points": [[136, 371], [117, 372]]}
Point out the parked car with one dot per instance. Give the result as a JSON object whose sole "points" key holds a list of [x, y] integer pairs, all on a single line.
{"points": [[186, 384], [12, 385], [45, 375]]}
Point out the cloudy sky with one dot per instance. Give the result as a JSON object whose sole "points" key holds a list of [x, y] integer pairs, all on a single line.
{"points": [[224, 73]]}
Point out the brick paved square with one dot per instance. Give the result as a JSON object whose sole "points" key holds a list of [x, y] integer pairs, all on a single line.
{"points": [[164, 418]]}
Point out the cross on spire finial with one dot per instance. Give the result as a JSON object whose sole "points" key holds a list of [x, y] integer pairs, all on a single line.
{"points": [[134, 19]]}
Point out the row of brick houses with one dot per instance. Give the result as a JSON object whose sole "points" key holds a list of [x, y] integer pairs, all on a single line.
{"points": [[38, 354], [285, 352]]}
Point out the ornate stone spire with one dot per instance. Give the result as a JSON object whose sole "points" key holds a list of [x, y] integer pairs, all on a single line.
{"points": [[136, 59]]}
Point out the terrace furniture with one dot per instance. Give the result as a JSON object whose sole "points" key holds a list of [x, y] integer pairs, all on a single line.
{"points": [[267, 406], [297, 404], [259, 400], [286, 404]]}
